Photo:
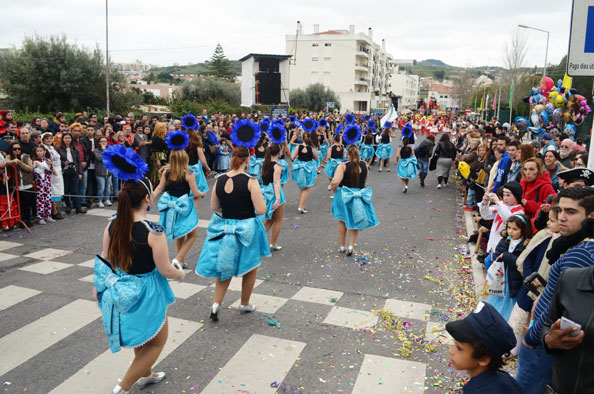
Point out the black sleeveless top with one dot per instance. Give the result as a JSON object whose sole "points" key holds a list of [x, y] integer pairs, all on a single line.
{"points": [[269, 176], [237, 204], [260, 155], [336, 153], [305, 153], [142, 253], [192, 155], [176, 188], [385, 139], [346, 179], [405, 153], [368, 139]]}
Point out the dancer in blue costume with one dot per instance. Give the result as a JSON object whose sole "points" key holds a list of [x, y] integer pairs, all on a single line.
{"points": [[335, 157], [179, 203], [352, 205], [323, 140], [305, 163], [367, 150], [130, 276], [257, 158], [235, 238], [296, 139], [384, 149], [273, 192], [407, 167], [285, 152], [197, 160]]}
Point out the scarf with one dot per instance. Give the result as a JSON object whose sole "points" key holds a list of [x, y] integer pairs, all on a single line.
{"points": [[563, 244]]}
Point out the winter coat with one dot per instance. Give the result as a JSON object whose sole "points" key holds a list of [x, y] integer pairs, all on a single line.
{"points": [[100, 170], [529, 261], [75, 157], [447, 152], [536, 193], [429, 145], [514, 277]]}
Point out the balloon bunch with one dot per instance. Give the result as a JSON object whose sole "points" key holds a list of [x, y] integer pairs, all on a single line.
{"points": [[554, 106]]}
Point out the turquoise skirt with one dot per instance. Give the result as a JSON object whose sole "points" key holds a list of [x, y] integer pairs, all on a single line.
{"points": [[332, 166], [407, 168], [285, 174], [270, 198], [198, 171], [232, 247], [292, 148], [304, 173], [324, 151], [384, 151], [354, 208], [178, 215], [256, 167], [366, 152]]}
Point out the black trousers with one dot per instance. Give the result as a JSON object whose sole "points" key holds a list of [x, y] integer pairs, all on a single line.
{"points": [[27, 202]]}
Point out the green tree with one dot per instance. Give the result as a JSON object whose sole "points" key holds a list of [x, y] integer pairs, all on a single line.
{"points": [[315, 97], [439, 74], [204, 89], [52, 75], [219, 66]]}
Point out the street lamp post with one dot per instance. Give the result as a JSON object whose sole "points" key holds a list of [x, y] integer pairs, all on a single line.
{"points": [[106, 59], [544, 72]]}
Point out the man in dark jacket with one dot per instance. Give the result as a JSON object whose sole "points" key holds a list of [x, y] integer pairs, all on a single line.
{"points": [[83, 145]]}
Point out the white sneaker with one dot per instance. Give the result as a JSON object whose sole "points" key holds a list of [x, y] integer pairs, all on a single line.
{"points": [[108, 203], [118, 390], [100, 205], [439, 186], [275, 247], [50, 220], [42, 222], [143, 382]]}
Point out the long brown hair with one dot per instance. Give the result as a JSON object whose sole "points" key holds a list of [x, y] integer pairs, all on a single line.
{"points": [[240, 153], [130, 197], [353, 163], [178, 164], [272, 150], [307, 139]]}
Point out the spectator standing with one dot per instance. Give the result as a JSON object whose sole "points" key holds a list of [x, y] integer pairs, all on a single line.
{"points": [[102, 176], [24, 166], [57, 182], [72, 172]]}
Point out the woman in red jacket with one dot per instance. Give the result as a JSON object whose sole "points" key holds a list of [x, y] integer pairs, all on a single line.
{"points": [[537, 185]]}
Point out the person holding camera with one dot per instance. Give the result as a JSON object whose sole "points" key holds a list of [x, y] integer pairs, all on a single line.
{"points": [[72, 172]]}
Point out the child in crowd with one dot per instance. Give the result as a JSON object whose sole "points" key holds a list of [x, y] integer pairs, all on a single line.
{"points": [[516, 236], [224, 156], [42, 172], [480, 340], [499, 210]]}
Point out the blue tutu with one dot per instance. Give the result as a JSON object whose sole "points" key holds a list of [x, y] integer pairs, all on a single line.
{"points": [[292, 147], [200, 177], [407, 168], [304, 173], [256, 167], [354, 208], [384, 151], [270, 198], [178, 215], [285, 174], [323, 150], [133, 307], [366, 152], [233, 247], [332, 166]]}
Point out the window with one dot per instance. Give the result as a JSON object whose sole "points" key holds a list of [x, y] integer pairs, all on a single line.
{"points": [[314, 59], [315, 44], [327, 44]]}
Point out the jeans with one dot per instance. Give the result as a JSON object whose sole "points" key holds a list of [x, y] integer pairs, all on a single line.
{"points": [[70, 188], [535, 369], [423, 166], [115, 185], [82, 188], [103, 187], [470, 197]]}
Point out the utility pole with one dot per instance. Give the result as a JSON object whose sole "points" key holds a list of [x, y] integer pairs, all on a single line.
{"points": [[106, 58]]}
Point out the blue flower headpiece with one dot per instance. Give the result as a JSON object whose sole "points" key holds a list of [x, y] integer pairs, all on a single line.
{"points": [[339, 129], [279, 121], [266, 119], [213, 137], [366, 118], [349, 118], [407, 131], [264, 126], [323, 123], [278, 134], [352, 134], [309, 125], [124, 163], [245, 133], [371, 124], [189, 122], [292, 118], [177, 140], [388, 125]]}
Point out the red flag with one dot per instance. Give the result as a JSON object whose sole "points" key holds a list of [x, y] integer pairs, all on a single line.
{"points": [[494, 100]]}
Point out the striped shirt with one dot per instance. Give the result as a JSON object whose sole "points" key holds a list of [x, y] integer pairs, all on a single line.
{"points": [[580, 256]]}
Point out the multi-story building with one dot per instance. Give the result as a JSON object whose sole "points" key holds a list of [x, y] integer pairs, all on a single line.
{"points": [[356, 68], [406, 87], [446, 97]]}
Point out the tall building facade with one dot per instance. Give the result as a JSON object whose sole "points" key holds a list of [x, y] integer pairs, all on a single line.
{"points": [[351, 64], [406, 87]]}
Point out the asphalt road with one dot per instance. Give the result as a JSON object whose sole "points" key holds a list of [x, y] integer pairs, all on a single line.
{"points": [[328, 340]]}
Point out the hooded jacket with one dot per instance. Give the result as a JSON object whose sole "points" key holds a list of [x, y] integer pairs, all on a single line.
{"points": [[536, 193]]}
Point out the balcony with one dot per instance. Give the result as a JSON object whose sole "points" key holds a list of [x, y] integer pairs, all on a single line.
{"points": [[362, 67], [362, 81], [363, 52]]}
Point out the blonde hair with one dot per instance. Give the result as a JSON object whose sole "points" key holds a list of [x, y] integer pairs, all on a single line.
{"points": [[178, 164], [160, 130]]}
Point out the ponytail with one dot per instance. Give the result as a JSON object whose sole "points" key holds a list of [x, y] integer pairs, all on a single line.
{"points": [[307, 139], [354, 164], [272, 150]]}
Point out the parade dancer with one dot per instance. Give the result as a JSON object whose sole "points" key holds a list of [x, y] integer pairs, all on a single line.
{"points": [[407, 168], [305, 162], [335, 156], [131, 274], [197, 160], [285, 151], [179, 203], [273, 193], [384, 149], [257, 158], [352, 205], [367, 151], [235, 238], [323, 140]]}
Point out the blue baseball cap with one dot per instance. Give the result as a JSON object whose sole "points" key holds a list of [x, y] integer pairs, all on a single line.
{"points": [[484, 325]]}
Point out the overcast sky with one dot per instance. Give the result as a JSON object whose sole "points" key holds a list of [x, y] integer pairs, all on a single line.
{"points": [[458, 32]]}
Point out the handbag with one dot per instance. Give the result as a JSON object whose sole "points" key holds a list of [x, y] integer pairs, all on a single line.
{"points": [[481, 177], [69, 170], [495, 280], [212, 149]]}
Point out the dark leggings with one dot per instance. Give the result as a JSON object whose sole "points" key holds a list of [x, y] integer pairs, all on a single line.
{"points": [[71, 187], [27, 202]]}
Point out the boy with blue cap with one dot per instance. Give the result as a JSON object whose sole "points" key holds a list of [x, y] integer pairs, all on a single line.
{"points": [[480, 340]]}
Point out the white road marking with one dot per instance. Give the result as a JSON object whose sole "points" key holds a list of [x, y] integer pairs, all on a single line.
{"points": [[46, 267], [318, 296], [384, 375], [408, 309], [350, 318], [12, 295]]}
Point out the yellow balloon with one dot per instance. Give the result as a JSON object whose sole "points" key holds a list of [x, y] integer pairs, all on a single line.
{"points": [[464, 169], [559, 101]]}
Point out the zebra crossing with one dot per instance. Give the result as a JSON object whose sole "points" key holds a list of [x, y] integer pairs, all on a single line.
{"points": [[266, 358]]}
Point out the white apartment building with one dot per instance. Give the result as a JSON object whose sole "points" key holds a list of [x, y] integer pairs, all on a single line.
{"points": [[447, 97], [406, 87], [351, 64]]}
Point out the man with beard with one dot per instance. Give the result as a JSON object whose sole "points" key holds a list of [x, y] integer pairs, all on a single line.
{"points": [[565, 150], [504, 162]]}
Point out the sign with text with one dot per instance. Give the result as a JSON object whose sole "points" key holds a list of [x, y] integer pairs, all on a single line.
{"points": [[279, 112], [580, 58]]}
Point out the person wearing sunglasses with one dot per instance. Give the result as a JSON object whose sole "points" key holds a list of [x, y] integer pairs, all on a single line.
{"points": [[24, 168]]}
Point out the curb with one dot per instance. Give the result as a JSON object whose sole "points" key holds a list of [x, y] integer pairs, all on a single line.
{"points": [[478, 271]]}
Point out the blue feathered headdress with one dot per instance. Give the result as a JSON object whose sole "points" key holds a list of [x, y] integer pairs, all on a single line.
{"points": [[371, 124], [264, 126], [292, 118], [245, 133], [407, 131], [388, 125], [277, 133], [309, 125], [177, 140], [323, 123], [266, 119], [339, 129], [124, 163], [352, 134], [189, 122], [349, 118]]}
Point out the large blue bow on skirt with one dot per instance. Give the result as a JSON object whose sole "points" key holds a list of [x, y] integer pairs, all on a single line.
{"points": [[357, 199], [233, 234], [301, 169], [171, 207], [118, 292]]}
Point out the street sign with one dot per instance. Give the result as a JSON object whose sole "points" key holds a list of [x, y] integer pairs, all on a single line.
{"points": [[331, 104], [580, 57], [279, 112]]}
